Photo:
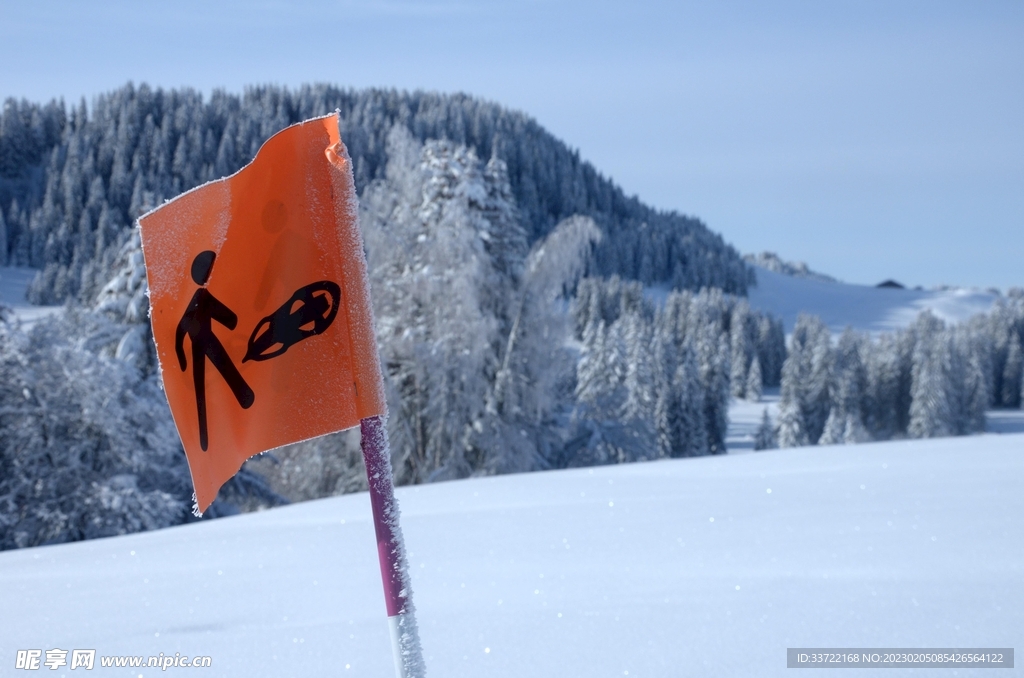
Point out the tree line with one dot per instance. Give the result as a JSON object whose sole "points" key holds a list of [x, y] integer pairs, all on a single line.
{"points": [[928, 380]]}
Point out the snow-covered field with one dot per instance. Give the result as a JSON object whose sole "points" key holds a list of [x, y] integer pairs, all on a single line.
{"points": [[699, 567], [862, 307]]}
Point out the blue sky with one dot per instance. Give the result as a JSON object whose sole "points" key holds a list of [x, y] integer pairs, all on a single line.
{"points": [[870, 139]]}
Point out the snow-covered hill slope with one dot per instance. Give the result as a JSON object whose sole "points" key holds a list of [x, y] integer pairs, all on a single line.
{"points": [[864, 308], [697, 567]]}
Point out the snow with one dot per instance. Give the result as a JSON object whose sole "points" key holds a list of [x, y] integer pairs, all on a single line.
{"points": [[706, 567], [865, 308], [14, 282]]}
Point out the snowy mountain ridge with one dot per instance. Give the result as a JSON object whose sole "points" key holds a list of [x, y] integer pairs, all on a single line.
{"points": [[773, 262]]}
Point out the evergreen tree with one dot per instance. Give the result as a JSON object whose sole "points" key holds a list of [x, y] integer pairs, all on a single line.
{"points": [[805, 398], [754, 386], [3, 239], [883, 382], [1011, 386], [679, 412], [931, 413], [639, 379], [742, 349], [818, 395], [765, 438], [792, 428], [845, 423], [692, 435], [593, 370], [712, 350], [771, 349]]}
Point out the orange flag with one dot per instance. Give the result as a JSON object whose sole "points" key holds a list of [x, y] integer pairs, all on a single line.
{"points": [[260, 305]]}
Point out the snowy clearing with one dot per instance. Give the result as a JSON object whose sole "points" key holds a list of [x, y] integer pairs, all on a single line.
{"points": [[869, 309], [745, 417], [14, 281], [699, 567]]}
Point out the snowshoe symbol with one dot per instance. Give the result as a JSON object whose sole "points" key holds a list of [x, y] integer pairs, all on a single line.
{"points": [[310, 311]]}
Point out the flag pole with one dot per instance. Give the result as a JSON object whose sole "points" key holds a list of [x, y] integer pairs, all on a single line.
{"points": [[394, 567]]}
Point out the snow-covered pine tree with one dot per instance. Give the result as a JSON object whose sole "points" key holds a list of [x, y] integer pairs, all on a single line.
{"points": [[771, 348], [906, 343], [691, 437], [882, 387], [974, 349], [666, 404], [765, 437], [593, 370], [3, 238], [819, 380], [597, 433], [804, 395], [712, 349], [1011, 386], [845, 423], [18, 234], [679, 411], [931, 412], [1022, 390], [754, 387], [742, 348], [1004, 326], [792, 429], [640, 378]]}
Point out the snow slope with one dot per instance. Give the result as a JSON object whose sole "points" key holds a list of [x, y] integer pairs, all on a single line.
{"points": [[865, 308], [697, 567]]}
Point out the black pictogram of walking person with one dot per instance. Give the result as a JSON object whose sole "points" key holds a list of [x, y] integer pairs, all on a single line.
{"points": [[197, 324]]}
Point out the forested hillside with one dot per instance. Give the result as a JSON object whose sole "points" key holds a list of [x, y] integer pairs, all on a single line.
{"points": [[73, 180], [483, 371], [508, 285]]}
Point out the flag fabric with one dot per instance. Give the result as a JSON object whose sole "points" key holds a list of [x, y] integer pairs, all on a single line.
{"points": [[260, 305]]}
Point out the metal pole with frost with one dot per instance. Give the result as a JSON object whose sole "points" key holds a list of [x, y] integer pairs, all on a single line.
{"points": [[394, 569]]}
